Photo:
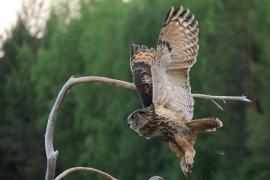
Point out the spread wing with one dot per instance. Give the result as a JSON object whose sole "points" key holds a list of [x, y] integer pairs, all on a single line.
{"points": [[176, 52], [141, 59]]}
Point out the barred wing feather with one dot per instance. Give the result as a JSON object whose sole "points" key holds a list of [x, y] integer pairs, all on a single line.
{"points": [[176, 52]]}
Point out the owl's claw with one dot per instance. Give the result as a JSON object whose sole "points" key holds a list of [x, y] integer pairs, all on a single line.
{"points": [[186, 168], [187, 162]]}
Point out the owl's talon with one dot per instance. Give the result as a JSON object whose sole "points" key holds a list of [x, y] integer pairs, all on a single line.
{"points": [[186, 168]]}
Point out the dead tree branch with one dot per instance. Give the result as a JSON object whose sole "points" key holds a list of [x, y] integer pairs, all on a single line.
{"points": [[51, 154], [87, 169], [230, 98]]}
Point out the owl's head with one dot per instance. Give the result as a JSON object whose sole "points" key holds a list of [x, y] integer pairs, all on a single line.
{"points": [[140, 119]]}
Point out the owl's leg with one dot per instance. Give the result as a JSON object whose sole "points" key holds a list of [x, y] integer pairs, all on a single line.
{"points": [[187, 152], [185, 167], [175, 148], [205, 125]]}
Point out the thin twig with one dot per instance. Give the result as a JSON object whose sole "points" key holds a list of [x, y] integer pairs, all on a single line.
{"points": [[51, 154], [88, 169], [219, 106]]}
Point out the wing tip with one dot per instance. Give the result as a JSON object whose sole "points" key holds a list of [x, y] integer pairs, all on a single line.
{"points": [[183, 16]]}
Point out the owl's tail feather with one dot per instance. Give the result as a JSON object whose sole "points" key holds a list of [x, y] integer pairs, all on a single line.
{"points": [[205, 125]]}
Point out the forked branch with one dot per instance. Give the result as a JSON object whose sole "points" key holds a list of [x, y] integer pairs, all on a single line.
{"points": [[51, 154]]}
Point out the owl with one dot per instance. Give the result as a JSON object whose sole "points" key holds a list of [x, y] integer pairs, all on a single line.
{"points": [[161, 77]]}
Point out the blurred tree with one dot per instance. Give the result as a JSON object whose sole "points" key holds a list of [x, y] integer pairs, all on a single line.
{"points": [[20, 150], [257, 165]]}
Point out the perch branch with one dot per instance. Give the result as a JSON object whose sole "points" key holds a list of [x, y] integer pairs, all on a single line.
{"points": [[230, 98], [88, 169], [51, 154]]}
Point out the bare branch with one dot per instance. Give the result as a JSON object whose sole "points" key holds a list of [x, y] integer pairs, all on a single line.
{"points": [[88, 169], [219, 106], [231, 98], [156, 178], [115, 82], [51, 154]]}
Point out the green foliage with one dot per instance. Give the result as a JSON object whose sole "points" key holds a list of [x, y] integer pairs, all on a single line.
{"points": [[21, 144], [91, 128]]}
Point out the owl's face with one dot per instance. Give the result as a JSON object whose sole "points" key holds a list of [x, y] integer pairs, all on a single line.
{"points": [[139, 120]]}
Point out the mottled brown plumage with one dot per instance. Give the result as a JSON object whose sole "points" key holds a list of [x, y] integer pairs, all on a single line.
{"points": [[141, 59], [162, 80]]}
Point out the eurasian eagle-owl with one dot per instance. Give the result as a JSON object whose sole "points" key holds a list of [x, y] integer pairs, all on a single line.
{"points": [[162, 81]]}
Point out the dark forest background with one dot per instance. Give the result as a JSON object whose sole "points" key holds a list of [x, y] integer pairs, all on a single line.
{"points": [[91, 129]]}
